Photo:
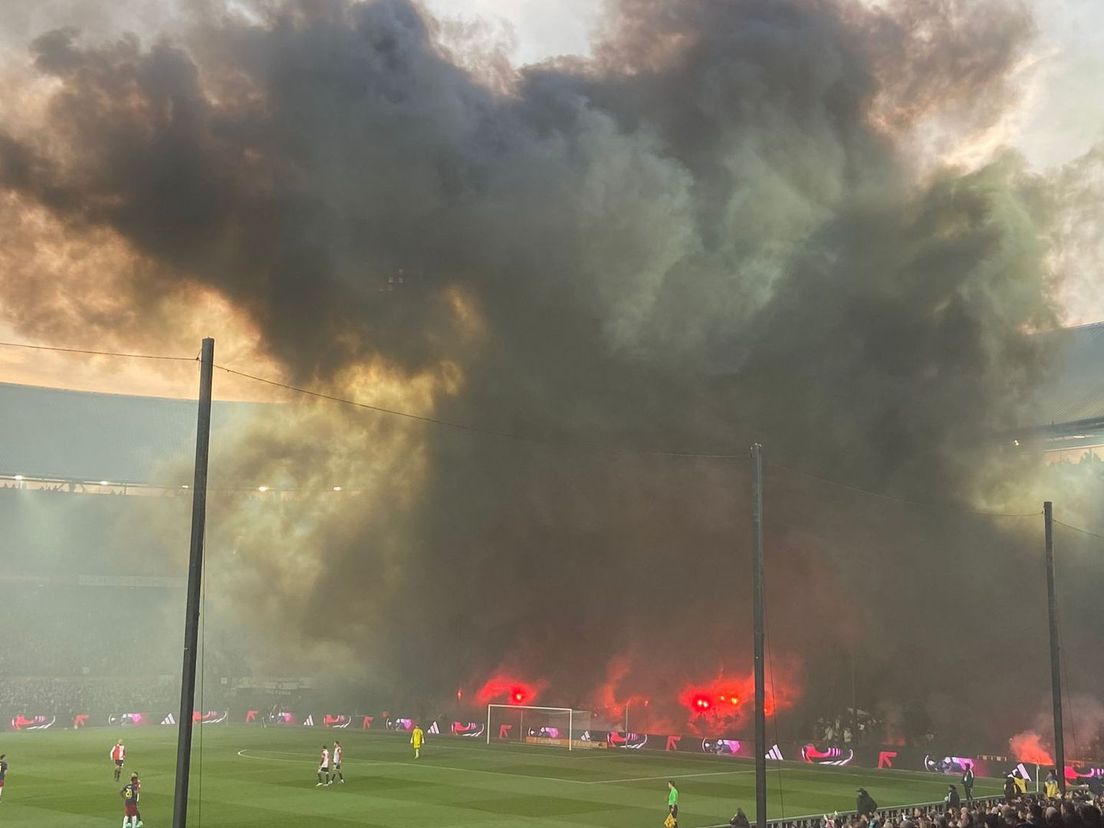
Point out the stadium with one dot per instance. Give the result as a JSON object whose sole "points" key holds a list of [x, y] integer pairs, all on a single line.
{"points": [[700, 425], [91, 651]]}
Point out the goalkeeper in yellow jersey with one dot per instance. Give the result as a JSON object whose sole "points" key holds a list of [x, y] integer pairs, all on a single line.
{"points": [[417, 736]]}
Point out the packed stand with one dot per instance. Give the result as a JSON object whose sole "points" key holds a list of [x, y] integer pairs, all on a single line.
{"points": [[1080, 808]]}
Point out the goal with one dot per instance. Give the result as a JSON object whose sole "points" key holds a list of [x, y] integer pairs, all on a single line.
{"points": [[525, 724]]}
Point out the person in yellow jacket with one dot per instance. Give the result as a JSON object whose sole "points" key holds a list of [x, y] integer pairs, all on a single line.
{"points": [[417, 736], [1050, 785]]}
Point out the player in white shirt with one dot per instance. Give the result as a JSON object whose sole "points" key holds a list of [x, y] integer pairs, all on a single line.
{"points": [[118, 756], [338, 753], [324, 768]]}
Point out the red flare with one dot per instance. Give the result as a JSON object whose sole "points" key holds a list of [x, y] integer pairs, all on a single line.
{"points": [[503, 688]]}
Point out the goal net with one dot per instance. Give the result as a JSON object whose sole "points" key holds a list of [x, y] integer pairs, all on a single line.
{"points": [[524, 724]]}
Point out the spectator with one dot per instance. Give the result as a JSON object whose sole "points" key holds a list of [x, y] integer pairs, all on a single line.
{"points": [[1050, 785], [1090, 816], [864, 803], [1070, 819]]}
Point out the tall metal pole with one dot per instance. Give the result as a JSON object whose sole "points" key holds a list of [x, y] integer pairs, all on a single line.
{"points": [[195, 581], [757, 604], [1055, 656]]}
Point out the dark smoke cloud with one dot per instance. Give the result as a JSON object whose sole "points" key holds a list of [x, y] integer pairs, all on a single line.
{"points": [[708, 233]]}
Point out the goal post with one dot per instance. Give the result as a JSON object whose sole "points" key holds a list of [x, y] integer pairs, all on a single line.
{"points": [[531, 725]]}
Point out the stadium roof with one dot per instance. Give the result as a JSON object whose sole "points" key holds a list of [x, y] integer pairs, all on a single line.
{"points": [[77, 435]]}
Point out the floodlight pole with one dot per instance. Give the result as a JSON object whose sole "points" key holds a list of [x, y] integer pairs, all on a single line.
{"points": [[195, 581], [1055, 655], [757, 611]]}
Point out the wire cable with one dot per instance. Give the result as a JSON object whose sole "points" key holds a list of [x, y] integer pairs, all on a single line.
{"points": [[1071, 527], [528, 439], [475, 429], [697, 455], [121, 354]]}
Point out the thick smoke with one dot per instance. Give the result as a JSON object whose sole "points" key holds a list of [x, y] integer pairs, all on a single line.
{"points": [[712, 231]]}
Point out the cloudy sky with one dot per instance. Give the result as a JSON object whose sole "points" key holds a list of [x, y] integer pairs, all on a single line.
{"points": [[1056, 118]]}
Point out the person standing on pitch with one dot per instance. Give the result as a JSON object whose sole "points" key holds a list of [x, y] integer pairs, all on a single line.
{"points": [[324, 768], [968, 784], [118, 756], [137, 783], [129, 793], [672, 805], [3, 772], [417, 736], [338, 754]]}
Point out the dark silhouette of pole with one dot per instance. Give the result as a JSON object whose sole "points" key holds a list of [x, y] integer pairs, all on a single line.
{"points": [[757, 605], [1055, 655], [195, 582]]}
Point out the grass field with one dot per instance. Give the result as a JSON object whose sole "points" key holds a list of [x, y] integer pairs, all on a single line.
{"points": [[246, 776]]}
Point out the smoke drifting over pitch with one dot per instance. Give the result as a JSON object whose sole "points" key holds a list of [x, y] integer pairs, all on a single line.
{"points": [[712, 231]]}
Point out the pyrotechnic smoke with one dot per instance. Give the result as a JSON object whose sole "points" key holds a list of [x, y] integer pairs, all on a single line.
{"points": [[1080, 237], [1028, 747], [710, 232], [1084, 728]]}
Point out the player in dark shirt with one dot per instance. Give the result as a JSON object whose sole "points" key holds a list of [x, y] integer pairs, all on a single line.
{"points": [[3, 772], [129, 793]]}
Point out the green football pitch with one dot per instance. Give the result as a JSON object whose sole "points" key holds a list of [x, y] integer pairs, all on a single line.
{"points": [[247, 776]]}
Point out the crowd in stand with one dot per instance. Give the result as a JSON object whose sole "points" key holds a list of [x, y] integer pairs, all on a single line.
{"points": [[839, 729], [66, 697], [1080, 808], [57, 630]]}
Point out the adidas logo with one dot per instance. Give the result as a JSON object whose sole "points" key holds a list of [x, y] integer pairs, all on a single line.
{"points": [[436, 731], [775, 754], [309, 721], [170, 719]]}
